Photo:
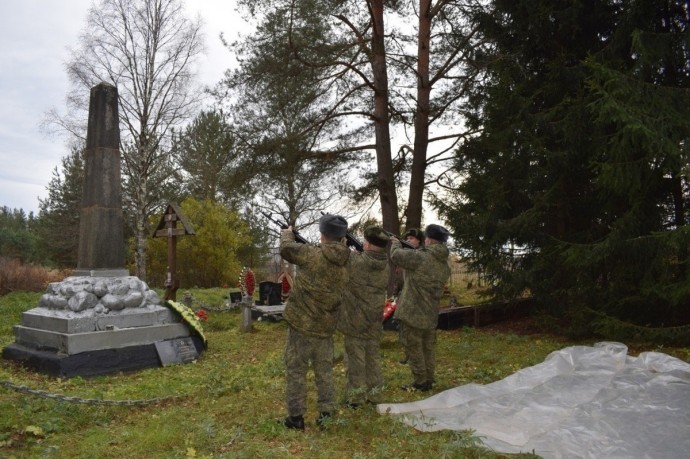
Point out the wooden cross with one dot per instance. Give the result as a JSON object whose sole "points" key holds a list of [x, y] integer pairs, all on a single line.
{"points": [[167, 227]]}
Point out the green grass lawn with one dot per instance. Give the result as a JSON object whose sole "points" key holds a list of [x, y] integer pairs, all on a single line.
{"points": [[229, 401]]}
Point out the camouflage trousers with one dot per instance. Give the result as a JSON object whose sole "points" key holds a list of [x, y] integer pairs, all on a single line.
{"points": [[420, 347], [364, 379], [301, 351]]}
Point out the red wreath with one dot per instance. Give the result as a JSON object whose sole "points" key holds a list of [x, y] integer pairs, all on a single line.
{"points": [[247, 282], [285, 284]]}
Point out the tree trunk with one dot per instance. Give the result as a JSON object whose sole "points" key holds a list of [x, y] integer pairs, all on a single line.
{"points": [[421, 119], [140, 235], [386, 181], [679, 220]]}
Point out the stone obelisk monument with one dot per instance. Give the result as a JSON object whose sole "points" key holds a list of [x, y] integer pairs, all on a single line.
{"points": [[101, 240], [101, 320]]}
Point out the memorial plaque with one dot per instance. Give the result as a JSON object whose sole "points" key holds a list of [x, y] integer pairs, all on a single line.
{"points": [[180, 350], [235, 297], [269, 293]]}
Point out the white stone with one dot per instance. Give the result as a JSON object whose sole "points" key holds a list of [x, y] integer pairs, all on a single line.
{"points": [[82, 300], [112, 302], [100, 288], [133, 299], [118, 287], [151, 297]]}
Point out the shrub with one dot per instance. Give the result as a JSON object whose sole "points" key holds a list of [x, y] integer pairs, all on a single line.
{"points": [[16, 276]]}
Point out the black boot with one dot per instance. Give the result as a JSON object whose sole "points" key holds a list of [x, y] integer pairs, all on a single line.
{"points": [[324, 419], [353, 405], [426, 387], [294, 422]]}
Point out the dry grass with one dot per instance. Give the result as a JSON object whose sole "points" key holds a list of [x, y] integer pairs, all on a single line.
{"points": [[18, 277]]}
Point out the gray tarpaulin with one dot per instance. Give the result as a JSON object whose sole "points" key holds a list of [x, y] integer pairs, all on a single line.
{"points": [[582, 401]]}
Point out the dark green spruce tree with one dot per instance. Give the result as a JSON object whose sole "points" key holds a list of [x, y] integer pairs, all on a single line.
{"points": [[58, 222], [640, 87], [575, 190], [18, 240]]}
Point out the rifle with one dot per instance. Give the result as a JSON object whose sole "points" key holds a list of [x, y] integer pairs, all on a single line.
{"points": [[352, 241], [298, 238], [405, 244]]}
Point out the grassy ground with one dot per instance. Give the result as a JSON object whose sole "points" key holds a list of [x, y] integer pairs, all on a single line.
{"points": [[231, 398]]}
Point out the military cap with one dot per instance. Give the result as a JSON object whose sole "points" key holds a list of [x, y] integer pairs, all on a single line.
{"points": [[415, 233], [437, 232], [377, 236], [333, 226]]}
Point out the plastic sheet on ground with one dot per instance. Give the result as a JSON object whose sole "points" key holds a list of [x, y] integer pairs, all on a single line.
{"points": [[582, 401]]}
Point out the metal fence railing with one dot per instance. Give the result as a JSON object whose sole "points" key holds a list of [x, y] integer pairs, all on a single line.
{"points": [[461, 276]]}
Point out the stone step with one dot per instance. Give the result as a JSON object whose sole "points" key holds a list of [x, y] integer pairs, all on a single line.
{"points": [[81, 322], [94, 363], [75, 343]]}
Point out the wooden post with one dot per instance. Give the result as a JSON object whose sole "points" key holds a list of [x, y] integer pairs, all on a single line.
{"points": [[167, 227]]}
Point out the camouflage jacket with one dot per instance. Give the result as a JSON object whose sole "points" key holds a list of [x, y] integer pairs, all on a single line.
{"points": [[425, 276], [312, 307], [361, 312]]}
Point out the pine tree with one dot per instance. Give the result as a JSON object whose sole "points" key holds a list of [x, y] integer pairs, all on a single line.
{"points": [[294, 146], [208, 156]]}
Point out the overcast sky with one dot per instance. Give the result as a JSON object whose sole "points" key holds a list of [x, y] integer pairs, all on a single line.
{"points": [[34, 40]]}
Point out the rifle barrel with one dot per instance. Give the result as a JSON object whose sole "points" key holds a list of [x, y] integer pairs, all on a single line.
{"points": [[405, 244], [354, 242], [298, 237]]}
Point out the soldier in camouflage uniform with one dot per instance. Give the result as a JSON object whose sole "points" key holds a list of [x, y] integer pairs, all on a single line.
{"points": [[360, 317], [311, 314], [426, 271], [414, 237]]}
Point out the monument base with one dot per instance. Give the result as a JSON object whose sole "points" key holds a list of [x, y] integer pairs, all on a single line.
{"points": [[100, 273], [88, 326], [91, 363]]}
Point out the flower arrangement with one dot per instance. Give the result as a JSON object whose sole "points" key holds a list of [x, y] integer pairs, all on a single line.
{"points": [[285, 286], [389, 307], [247, 282], [190, 318]]}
